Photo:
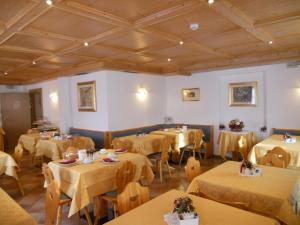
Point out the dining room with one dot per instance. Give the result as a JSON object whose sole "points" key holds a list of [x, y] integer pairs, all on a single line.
{"points": [[174, 112]]}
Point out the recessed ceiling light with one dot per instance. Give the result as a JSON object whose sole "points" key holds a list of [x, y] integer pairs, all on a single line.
{"points": [[194, 26], [86, 44], [49, 2], [270, 42], [181, 42], [33, 62], [169, 59], [5, 73], [211, 1]]}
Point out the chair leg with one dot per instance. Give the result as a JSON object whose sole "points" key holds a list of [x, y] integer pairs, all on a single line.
{"points": [[160, 171], [183, 151], [169, 169], [200, 157], [115, 210], [87, 215], [59, 215], [20, 187]]}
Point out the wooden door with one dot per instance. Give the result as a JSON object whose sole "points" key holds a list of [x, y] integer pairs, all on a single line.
{"points": [[15, 110], [36, 104]]}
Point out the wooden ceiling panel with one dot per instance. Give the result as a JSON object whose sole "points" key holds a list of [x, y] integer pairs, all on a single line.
{"points": [[263, 9], [285, 28], [49, 66], [68, 59], [174, 51], [10, 8], [130, 9], [135, 58], [290, 42], [61, 22], [96, 51], [207, 26], [48, 44], [134, 41], [9, 62], [18, 55], [247, 48]]}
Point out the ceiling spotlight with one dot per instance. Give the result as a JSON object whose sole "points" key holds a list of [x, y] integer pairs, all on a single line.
{"points": [[181, 42], [49, 2], [194, 26], [33, 62], [270, 42], [169, 59], [211, 1], [86, 44], [5, 73]]}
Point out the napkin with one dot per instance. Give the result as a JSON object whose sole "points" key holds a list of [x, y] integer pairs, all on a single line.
{"points": [[294, 198]]}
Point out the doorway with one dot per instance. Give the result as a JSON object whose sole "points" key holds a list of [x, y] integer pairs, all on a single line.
{"points": [[36, 104], [15, 112]]}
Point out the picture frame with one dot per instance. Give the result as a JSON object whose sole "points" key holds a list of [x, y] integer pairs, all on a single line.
{"points": [[243, 94], [191, 94], [86, 95]]}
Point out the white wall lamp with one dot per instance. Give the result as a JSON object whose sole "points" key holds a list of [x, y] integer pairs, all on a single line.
{"points": [[142, 94], [54, 97]]}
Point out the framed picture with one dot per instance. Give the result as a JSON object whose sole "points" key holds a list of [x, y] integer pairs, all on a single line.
{"points": [[191, 94], [86, 92], [243, 94]]}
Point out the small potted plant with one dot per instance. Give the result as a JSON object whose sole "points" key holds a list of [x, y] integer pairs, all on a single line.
{"points": [[186, 211], [247, 168], [221, 127], [236, 125], [263, 129]]}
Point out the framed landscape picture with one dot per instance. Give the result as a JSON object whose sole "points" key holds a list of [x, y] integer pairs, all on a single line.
{"points": [[243, 94], [191, 94], [86, 92]]}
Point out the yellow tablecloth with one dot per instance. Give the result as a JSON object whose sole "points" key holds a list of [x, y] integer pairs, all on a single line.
{"points": [[267, 193], [228, 141], [143, 144], [83, 182], [13, 214], [2, 133], [8, 165], [181, 138], [51, 148], [28, 141], [260, 149], [210, 212]]}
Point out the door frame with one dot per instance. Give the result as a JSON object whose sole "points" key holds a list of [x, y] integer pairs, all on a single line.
{"points": [[34, 91]]}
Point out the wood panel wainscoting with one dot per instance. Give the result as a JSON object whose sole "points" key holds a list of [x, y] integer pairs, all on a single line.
{"points": [[285, 130]]}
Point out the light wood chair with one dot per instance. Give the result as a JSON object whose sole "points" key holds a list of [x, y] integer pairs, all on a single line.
{"points": [[195, 147], [83, 143], [54, 200], [156, 145], [126, 144], [192, 168], [243, 147], [133, 196], [277, 157], [18, 155], [124, 175]]}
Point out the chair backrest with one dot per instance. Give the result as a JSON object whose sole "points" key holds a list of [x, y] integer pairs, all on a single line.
{"points": [[243, 147], [52, 199], [126, 144], [18, 154], [83, 143], [156, 145], [133, 196], [191, 137], [124, 175], [277, 157], [48, 175], [192, 168], [198, 139], [165, 148]]}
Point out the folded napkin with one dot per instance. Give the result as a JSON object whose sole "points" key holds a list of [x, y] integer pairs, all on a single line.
{"points": [[108, 160], [294, 198], [67, 161], [121, 150]]}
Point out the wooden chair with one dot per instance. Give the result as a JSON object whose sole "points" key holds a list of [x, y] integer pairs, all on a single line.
{"points": [[54, 200], [133, 196], [243, 147], [192, 168], [124, 175], [156, 145], [126, 144], [18, 155], [277, 157], [195, 147], [83, 143]]}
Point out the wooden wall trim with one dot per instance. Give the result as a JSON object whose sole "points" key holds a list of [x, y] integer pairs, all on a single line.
{"points": [[285, 129]]}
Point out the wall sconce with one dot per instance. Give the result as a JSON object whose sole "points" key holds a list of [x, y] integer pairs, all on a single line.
{"points": [[142, 94], [54, 97]]}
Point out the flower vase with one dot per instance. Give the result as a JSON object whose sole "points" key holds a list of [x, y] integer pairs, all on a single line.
{"points": [[189, 220]]}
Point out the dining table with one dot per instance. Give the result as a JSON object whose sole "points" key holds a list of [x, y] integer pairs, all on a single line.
{"points": [[52, 148], [228, 141], [209, 212], [12, 213], [276, 140], [143, 143], [8, 165], [267, 193], [84, 182], [28, 141]]}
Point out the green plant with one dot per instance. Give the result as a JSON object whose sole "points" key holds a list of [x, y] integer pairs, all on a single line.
{"points": [[183, 205]]}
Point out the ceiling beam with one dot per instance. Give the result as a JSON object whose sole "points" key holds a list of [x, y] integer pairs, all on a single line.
{"points": [[165, 14], [278, 19], [236, 16], [14, 59]]}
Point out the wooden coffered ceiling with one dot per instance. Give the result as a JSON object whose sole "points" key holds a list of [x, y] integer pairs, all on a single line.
{"points": [[40, 42]]}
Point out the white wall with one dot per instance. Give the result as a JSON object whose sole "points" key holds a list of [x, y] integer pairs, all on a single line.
{"points": [[125, 110], [279, 98]]}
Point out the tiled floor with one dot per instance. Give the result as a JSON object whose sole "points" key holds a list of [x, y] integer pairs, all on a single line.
{"points": [[32, 181]]}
